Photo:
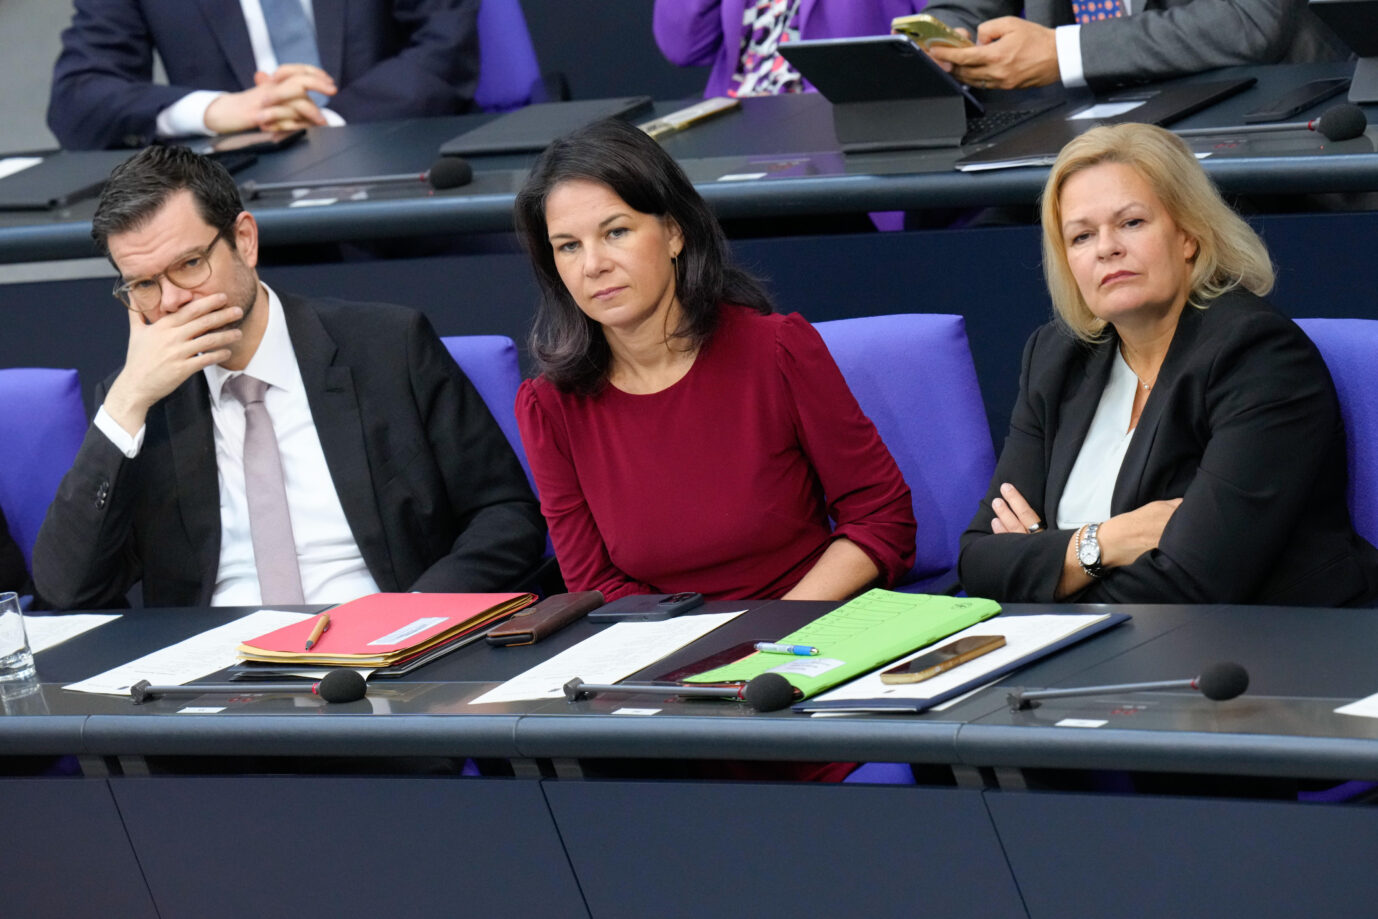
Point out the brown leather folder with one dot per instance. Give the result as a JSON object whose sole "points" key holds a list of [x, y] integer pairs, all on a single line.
{"points": [[550, 615]]}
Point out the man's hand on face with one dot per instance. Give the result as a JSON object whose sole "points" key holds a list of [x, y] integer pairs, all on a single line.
{"points": [[163, 354]]}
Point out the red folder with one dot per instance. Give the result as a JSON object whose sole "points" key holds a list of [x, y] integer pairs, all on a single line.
{"points": [[381, 629]]}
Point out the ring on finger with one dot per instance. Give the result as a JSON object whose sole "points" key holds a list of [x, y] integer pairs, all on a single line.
{"points": [[1035, 526]]}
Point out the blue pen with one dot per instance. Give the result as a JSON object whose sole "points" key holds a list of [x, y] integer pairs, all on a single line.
{"points": [[771, 647]]}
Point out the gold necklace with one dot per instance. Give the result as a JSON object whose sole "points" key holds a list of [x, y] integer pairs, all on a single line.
{"points": [[1146, 384]]}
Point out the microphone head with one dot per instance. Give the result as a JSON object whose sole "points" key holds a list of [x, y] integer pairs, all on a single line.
{"points": [[768, 692], [452, 172], [342, 686], [1222, 681], [1342, 122]]}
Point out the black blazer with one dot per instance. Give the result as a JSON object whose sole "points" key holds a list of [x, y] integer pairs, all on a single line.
{"points": [[1242, 424], [431, 489], [13, 573], [389, 58]]}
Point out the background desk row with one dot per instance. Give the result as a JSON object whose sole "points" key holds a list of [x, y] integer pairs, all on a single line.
{"points": [[351, 828]]}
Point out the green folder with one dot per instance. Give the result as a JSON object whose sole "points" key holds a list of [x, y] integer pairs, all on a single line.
{"points": [[860, 635]]}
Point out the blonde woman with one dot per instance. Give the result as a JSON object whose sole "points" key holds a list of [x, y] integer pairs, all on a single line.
{"points": [[1176, 439]]}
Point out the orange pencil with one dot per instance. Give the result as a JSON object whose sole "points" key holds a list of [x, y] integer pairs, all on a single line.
{"points": [[322, 624]]}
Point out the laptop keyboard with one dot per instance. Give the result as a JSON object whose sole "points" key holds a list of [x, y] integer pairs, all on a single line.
{"points": [[984, 127]]}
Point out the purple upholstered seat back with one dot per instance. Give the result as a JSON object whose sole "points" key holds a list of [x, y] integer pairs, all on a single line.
{"points": [[507, 72], [42, 423], [1350, 349], [914, 377], [490, 363]]}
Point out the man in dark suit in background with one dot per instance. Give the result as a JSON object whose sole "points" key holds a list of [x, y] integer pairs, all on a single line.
{"points": [[272, 64], [258, 448], [1108, 43]]}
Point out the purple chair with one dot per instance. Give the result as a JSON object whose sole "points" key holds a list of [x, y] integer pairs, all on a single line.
{"points": [[490, 363], [42, 423], [914, 378], [508, 75], [1349, 347]]}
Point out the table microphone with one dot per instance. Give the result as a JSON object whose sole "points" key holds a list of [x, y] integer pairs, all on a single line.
{"points": [[337, 686], [1217, 682], [446, 172], [768, 692], [1340, 122]]}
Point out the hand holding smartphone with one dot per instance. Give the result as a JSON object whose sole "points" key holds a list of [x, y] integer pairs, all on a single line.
{"points": [[927, 666], [927, 31]]}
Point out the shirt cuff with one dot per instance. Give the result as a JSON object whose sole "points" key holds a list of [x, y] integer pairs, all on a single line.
{"points": [[187, 115], [333, 118], [1068, 40], [129, 446]]}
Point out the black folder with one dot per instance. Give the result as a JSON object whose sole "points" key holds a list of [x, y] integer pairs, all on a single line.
{"points": [[531, 129], [59, 180]]}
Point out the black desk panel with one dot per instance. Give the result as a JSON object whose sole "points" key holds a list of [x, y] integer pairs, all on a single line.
{"points": [[691, 850], [64, 852], [1080, 856], [347, 846]]}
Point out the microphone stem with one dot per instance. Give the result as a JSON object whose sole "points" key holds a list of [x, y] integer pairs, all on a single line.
{"points": [[1117, 688]]}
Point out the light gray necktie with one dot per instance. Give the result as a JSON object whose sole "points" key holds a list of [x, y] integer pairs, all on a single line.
{"points": [[293, 36], [275, 551]]}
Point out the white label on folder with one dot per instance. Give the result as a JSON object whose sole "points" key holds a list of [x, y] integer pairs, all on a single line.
{"points": [[409, 630], [1080, 723], [637, 711], [201, 710], [809, 666]]}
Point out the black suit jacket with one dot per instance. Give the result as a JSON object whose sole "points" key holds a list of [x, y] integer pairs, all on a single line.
{"points": [[432, 491], [1242, 424], [13, 573], [389, 58]]}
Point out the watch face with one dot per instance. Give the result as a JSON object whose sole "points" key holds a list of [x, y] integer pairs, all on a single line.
{"points": [[1088, 553]]}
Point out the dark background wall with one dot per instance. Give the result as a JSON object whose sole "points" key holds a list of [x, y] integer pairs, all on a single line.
{"points": [[990, 276]]}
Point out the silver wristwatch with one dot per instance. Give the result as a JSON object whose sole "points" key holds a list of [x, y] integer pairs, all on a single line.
{"points": [[1088, 551]]}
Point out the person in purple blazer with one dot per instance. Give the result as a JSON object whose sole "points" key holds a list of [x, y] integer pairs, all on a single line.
{"points": [[740, 37]]}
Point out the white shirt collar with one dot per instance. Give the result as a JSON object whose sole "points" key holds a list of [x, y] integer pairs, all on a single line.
{"points": [[275, 363]]}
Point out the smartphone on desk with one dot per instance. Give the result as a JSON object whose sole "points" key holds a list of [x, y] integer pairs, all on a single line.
{"points": [[255, 141], [647, 607], [927, 666]]}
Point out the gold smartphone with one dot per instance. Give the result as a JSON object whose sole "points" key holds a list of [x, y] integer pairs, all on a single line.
{"points": [[926, 31], [927, 666]]}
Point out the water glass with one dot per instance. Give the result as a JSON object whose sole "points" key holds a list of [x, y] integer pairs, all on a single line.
{"points": [[16, 660]]}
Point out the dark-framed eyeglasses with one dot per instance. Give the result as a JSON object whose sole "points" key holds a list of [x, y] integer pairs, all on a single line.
{"points": [[144, 294]]}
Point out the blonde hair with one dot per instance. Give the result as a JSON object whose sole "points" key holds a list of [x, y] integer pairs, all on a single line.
{"points": [[1229, 253]]}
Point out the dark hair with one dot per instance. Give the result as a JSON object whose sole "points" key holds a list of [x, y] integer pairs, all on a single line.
{"points": [[569, 347], [141, 185]]}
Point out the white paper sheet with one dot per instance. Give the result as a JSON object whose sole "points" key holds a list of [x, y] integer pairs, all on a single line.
{"points": [[11, 164], [188, 660], [607, 657], [49, 631], [1366, 707], [1023, 635]]}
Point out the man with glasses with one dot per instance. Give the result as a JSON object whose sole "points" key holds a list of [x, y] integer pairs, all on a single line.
{"points": [[258, 448]]}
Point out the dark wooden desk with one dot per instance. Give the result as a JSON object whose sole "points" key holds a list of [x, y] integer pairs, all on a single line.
{"points": [[281, 805]]}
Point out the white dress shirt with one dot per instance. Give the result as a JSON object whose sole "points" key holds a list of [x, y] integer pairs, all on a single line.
{"points": [[1091, 484], [188, 114], [332, 568], [1068, 40]]}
